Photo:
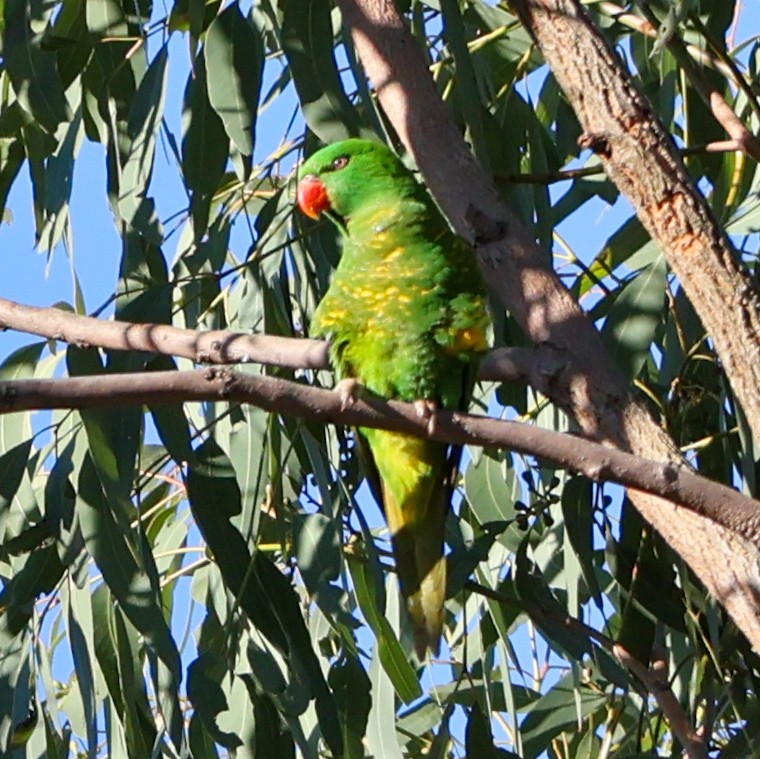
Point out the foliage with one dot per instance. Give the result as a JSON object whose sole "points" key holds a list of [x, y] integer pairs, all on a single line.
{"points": [[197, 579]]}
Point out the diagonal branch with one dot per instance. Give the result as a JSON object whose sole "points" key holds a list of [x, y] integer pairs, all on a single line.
{"points": [[714, 100], [663, 478], [592, 389], [653, 679], [641, 158]]}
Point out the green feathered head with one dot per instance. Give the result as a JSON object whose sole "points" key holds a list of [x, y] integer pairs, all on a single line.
{"points": [[344, 177]]}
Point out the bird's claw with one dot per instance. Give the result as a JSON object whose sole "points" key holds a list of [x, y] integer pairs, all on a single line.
{"points": [[428, 410], [347, 390]]}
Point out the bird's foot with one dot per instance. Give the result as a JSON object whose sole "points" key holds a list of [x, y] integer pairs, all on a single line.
{"points": [[428, 410], [347, 390]]}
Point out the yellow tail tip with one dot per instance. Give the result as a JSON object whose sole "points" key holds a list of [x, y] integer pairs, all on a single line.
{"points": [[425, 607]]}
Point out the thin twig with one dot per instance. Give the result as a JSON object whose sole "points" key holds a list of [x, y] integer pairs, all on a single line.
{"points": [[550, 177], [653, 679], [721, 110]]}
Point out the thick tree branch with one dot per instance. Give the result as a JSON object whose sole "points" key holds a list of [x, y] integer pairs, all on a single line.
{"points": [[591, 388], [664, 478], [534, 366], [642, 160]]}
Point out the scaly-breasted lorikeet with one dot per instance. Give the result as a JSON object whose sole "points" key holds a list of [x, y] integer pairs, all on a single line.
{"points": [[406, 317]]}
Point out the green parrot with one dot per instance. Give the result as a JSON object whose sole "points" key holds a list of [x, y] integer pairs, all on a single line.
{"points": [[406, 318]]}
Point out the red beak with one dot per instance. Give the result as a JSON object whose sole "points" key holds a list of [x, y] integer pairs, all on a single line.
{"points": [[312, 196]]}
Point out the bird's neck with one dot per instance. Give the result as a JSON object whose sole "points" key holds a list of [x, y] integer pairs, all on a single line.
{"points": [[381, 215]]}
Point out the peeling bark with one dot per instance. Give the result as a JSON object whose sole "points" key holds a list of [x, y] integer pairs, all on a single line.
{"points": [[641, 158]]}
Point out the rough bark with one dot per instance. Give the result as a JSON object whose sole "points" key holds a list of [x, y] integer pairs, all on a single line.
{"points": [[590, 387], [642, 160]]}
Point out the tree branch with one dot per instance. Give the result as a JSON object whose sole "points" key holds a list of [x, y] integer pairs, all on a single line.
{"points": [[653, 679], [550, 177], [642, 160], [601, 464], [527, 365], [724, 64], [591, 388], [714, 100]]}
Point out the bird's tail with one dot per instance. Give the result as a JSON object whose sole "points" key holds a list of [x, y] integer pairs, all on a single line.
{"points": [[416, 491], [421, 570]]}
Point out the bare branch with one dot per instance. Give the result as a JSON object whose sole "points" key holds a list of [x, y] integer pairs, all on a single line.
{"points": [[656, 681], [225, 347], [215, 347], [664, 478], [550, 177], [721, 110]]}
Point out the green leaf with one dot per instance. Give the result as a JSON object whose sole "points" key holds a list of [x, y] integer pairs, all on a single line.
{"points": [[80, 628], [125, 575], [21, 364], [136, 716], [58, 177], [271, 738], [205, 146], [463, 559], [478, 739], [202, 745], [248, 454], [629, 243], [214, 500], [351, 686], [563, 707], [32, 70], [106, 435], [262, 592], [234, 54], [170, 419], [143, 293], [381, 732], [144, 120], [392, 656], [307, 41], [635, 317], [38, 572], [317, 549], [12, 155], [107, 18], [14, 680], [492, 490], [577, 509], [532, 587], [13, 464], [466, 89]]}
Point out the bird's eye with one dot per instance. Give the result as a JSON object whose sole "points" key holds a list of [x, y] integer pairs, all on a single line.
{"points": [[340, 162]]}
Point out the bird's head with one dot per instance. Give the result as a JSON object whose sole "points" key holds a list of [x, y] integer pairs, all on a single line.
{"points": [[344, 177]]}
